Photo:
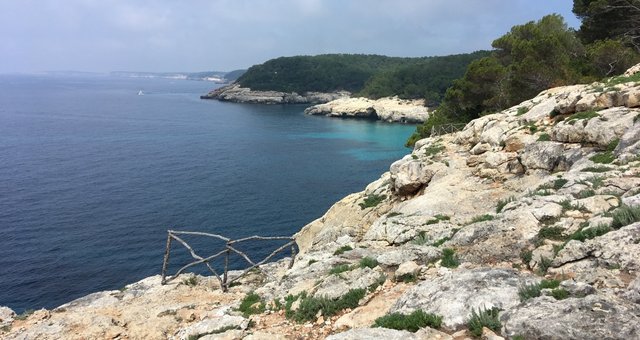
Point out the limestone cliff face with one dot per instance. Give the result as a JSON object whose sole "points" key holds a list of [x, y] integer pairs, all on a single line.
{"points": [[385, 109], [548, 189], [235, 93]]}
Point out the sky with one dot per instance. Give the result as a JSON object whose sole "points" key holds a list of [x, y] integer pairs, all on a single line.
{"points": [[223, 35]]}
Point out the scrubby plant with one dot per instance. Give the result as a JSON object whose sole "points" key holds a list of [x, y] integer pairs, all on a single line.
{"points": [[368, 262], [421, 238], [481, 218], [597, 169], [544, 265], [393, 214], [372, 201], [433, 149], [522, 110], [585, 193], [544, 137], [190, 281], [527, 292], [412, 322], [582, 115], [560, 293], [342, 250], [551, 233], [589, 233], [341, 268], [441, 241], [503, 203], [248, 305], [559, 183], [625, 215], [310, 306], [549, 284], [379, 282], [449, 258], [409, 278], [484, 318], [603, 157]]}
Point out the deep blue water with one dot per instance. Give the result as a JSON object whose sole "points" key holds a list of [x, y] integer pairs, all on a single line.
{"points": [[92, 175]]}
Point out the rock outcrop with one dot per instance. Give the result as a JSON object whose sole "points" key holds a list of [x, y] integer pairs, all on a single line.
{"points": [[526, 222], [235, 93], [385, 109]]}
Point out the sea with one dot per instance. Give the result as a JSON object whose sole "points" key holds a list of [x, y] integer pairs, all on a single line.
{"points": [[95, 169]]}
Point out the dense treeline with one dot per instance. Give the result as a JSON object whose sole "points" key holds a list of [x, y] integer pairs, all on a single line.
{"points": [[426, 78], [540, 55], [365, 75]]}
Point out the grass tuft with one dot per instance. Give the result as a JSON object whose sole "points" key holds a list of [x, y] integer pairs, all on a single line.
{"points": [[248, 305], [625, 215], [310, 306], [372, 201], [342, 250], [449, 258], [503, 203], [368, 262], [481, 218], [484, 318]]}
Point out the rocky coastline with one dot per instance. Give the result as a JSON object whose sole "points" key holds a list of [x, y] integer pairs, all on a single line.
{"points": [[529, 217], [390, 109], [237, 94]]}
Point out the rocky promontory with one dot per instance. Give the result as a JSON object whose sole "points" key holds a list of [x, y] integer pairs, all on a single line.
{"points": [[237, 94], [390, 109], [524, 225]]}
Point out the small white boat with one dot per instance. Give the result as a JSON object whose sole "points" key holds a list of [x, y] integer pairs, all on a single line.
{"points": [[140, 93]]}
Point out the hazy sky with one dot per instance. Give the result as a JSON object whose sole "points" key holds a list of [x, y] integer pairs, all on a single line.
{"points": [[198, 35]]}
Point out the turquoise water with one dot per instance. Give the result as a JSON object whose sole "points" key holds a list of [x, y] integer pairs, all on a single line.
{"points": [[92, 175]]}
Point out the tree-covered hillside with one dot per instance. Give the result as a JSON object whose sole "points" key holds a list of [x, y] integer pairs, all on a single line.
{"points": [[366, 75]]}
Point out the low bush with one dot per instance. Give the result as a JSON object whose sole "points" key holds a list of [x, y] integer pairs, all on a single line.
{"points": [[625, 215], [372, 201], [544, 137], [310, 306], [248, 305], [481, 218], [449, 258], [341, 268], [342, 250], [551, 233], [589, 233], [527, 292], [560, 293], [484, 318], [368, 262], [503, 203], [412, 322]]}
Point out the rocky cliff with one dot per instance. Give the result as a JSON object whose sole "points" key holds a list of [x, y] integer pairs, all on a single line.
{"points": [[385, 109], [235, 93], [526, 222]]}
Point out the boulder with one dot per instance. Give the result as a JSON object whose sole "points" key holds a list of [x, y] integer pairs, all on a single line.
{"points": [[409, 176], [591, 317], [212, 325], [7, 315], [542, 155], [456, 293], [409, 268]]}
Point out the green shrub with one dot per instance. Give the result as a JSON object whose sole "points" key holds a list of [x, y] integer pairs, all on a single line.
{"points": [[409, 278], [449, 258], [585, 193], [526, 256], [433, 149], [341, 268], [379, 282], [310, 306], [560, 293], [549, 284], [371, 201], [551, 233], [342, 249], [522, 110], [622, 79], [544, 137], [481, 218], [527, 292], [368, 262], [589, 233], [441, 241], [393, 214], [437, 218], [421, 238], [559, 183], [597, 169], [625, 215], [412, 322], [484, 318], [583, 115], [544, 265], [606, 157], [247, 306], [190, 281], [503, 203]]}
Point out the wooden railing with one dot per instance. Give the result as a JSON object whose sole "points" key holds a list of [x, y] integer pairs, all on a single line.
{"points": [[443, 129], [229, 248]]}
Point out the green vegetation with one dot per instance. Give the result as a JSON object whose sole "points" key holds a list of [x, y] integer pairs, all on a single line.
{"points": [[607, 156], [393, 214], [567, 205], [437, 218], [585, 193], [544, 137], [251, 304], [341, 268], [522, 110], [441, 241], [421, 238], [484, 318], [589, 233], [371, 201], [371, 76], [433, 149], [549, 284], [190, 281], [342, 250], [481, 218], [582, 115], [412, 322], [368, 262], [530, 291], [537, 56], [625, 215], [449, 258], [379, 282], [526, 256], [544, 265], [597, 169], [310, 306], [560, 293], [551, 233]]}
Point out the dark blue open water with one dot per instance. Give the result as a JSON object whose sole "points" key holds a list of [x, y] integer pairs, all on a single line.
{"points": [[92, 175]]}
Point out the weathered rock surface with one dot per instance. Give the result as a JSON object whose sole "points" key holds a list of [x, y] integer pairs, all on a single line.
{"points": [[454, 295], [386, 109], [591, 317], [235, 93]]}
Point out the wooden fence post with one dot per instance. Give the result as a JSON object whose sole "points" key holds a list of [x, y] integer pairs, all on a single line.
{"points": [[165, 262]]}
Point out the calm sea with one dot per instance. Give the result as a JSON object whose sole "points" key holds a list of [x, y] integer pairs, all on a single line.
{"points": [[93, 174]]}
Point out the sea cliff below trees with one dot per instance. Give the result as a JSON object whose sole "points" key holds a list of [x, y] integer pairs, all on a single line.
{"points": [[524, 225]]}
